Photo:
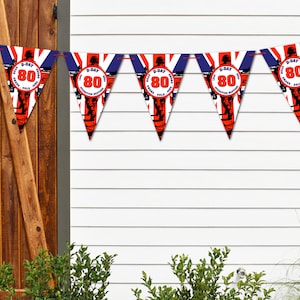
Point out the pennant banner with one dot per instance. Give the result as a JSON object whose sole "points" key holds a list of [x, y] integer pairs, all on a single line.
{"points": [[27, 70], [226, 75], [284, 62], [159, 76], [92, 76]]}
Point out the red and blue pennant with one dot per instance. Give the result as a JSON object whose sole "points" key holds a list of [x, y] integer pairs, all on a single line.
{"points": [[284, 63], [92, 76], [159, 77], [27, 70], [226, 75]]}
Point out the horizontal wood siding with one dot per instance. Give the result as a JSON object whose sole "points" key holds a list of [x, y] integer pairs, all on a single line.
{"points": [[146, 199]]}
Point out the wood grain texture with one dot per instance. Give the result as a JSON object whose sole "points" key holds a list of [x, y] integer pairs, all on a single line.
{"points": [[47, 128], [10, 209], [30, 24], [29, 31], [23, 172]]}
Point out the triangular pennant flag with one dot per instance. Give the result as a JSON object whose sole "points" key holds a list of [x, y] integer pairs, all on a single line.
{"points": [[226, 75], [27, 70], [284, 62], [159, 76], [92, 76]]}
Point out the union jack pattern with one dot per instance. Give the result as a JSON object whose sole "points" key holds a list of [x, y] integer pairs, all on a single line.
{"points": [[159, 104], [285, 76], [226, 89], [27, 70], [91, 103]]}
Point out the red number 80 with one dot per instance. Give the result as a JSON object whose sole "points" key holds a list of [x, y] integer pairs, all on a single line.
{"points": [[157, 82], [229, 80], [90, 81], [26, 75], [292, 72]]}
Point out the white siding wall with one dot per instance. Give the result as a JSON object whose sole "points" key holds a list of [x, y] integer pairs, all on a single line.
{"points": [[146, 199]]}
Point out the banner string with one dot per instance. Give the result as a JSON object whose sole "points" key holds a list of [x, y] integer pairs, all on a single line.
{"points": [[159, 76]]}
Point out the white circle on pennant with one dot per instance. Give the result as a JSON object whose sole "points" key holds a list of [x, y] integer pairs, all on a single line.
{"points": [[92, 81], [226, 80], [159, 82], [26, 76], [289, 72]]}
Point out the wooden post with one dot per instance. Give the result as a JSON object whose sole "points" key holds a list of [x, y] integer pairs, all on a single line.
{"points": [[21, 159]]}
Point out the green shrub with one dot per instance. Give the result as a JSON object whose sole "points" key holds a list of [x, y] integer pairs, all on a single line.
{"points": [[89, 277], [7, 280], [74, 275], [38, 276], [204, 281], [71, 275]]}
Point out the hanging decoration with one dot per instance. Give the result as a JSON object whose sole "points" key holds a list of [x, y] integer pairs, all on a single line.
{"points": [[159, 76], [27, 70], [92, 76], [226, 75], [284, 63]]}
